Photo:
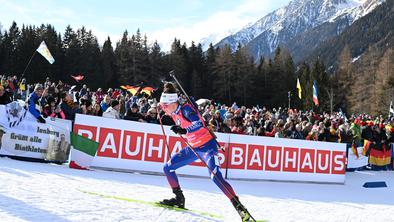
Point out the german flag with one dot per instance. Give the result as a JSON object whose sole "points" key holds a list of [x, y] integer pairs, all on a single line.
{"points": [[380, 155], [136, 89]]}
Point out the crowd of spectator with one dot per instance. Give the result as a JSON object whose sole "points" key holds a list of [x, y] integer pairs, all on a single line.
{"points": [[57, 99]]}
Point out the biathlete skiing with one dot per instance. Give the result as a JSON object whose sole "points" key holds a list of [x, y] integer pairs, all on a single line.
{"points": [[200, 145]]}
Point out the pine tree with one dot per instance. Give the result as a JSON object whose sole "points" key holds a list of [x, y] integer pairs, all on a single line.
{"points": [[124, 60], [178, 62], [109, 65], [343, 79], [72, 53], [363, 95], [241, 76], [210, 72], [157, 65], [222, 82], [196, 62], [90, 52], [11, 39], [383, 86]]}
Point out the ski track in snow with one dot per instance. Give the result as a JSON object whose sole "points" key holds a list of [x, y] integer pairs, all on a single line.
{"points": [[48, 192]]}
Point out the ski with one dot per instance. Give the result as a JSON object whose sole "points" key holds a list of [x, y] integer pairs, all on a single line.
{"points": [[155, 204]]}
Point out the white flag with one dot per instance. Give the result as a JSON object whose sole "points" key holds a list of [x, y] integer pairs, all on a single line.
{"points": [[391, 109], [44, 51]]}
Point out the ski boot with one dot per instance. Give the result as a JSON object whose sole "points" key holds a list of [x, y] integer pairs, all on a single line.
{"points": [[242, 211], [177, 201]]}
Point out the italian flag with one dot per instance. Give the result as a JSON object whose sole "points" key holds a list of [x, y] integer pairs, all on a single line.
{"points": [[82, 152]]}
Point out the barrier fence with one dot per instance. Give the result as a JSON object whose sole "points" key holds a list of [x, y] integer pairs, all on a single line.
{"points": [[127, 145]]}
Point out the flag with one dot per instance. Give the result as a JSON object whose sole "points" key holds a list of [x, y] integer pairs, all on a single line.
{"points": [[299, 88], [380, 155], [78, 77], [44, 51], [83, 151], [354, 149], [132, 89], [136, 89], [391, 109], [148, 90], [315, 99], [366, 147], [342, 114]]}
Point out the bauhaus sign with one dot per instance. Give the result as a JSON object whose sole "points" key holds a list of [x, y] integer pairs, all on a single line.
{"points": [[128, 145]]}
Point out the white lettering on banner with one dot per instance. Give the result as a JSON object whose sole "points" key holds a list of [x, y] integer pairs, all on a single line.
{"points": [[341, 163], [277, 161], [83, 132], [307, 162], [158, 148], [217, 163], [137, 148], [326, 162], [109, 143], [236, 156], [292, 160], [255, 158], [221, 158], [177, 147]]}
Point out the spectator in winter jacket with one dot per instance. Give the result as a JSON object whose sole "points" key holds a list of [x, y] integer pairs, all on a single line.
{"points": [[356, 131], [151, 116], [122, 105], [86, 107], [96, 110], [4, 97], [33, 101], [105, 103], [143, 105], [99, 95], [297, 133], [83, 91], [113, 110], [133, 114], [67, 106], [22, 89], [49, 107]]}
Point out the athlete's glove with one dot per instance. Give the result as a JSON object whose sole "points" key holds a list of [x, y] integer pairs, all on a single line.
{"points": [[41, 120], [178, 130]]}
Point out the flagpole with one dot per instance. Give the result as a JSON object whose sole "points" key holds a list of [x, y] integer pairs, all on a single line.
{"points": [[23, 74]]}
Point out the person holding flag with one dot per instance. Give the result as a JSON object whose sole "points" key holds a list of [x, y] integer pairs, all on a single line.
{"points": [[201, 145], [33, 101]]}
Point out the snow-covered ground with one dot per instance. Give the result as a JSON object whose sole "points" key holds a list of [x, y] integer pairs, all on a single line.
{"points": [[47, 192]]}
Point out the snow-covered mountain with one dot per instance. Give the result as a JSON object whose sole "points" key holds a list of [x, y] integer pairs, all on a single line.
{"points": [[299, 16]]}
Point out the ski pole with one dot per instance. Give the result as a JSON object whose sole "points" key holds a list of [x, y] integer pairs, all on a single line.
{"points": [[164, 134]]}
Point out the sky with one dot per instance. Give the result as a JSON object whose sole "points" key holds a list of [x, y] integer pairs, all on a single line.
{"points": [[161, 20]]}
